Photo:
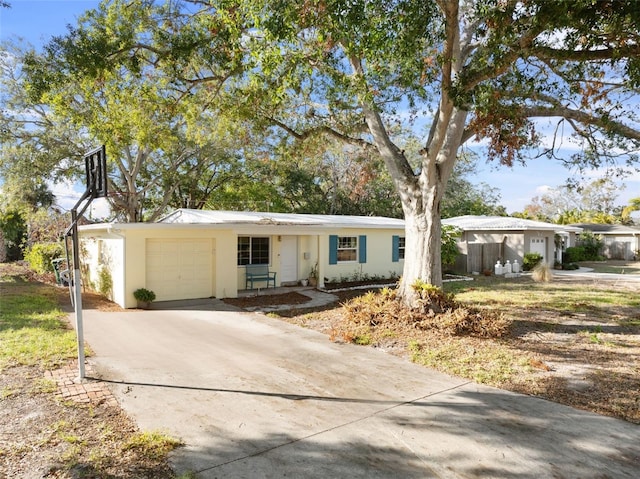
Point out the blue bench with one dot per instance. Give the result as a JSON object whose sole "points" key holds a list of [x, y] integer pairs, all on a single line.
{"points": [[259, 272]]}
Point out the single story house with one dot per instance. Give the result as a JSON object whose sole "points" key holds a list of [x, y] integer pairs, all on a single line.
{"points": [[488, 239], [620, 241], [193, 254]]}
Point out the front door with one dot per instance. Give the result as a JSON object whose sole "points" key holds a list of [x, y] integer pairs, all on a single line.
{"points": [[289, 259]]}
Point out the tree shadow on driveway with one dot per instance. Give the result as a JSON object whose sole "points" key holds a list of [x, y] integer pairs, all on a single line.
{"points": [[464, 431]]}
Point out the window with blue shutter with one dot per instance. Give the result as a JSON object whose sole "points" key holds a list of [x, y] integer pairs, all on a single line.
{"points": [[347, 249], [362, 249], [395, 251], [333, 249]]}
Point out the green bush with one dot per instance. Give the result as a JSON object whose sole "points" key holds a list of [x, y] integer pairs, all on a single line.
{"points": [[14, 230], [105, 282], [592, 244], [449, 249], [530, 261], [574, 254], [143, 294], [40, 255]]}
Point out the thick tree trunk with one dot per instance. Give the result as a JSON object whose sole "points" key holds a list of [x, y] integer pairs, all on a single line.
{"points": [[423, 239], [421, 192], [422, 232], [420, 195]]}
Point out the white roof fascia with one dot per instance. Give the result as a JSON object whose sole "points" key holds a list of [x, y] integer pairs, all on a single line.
{"points": [[505, 223], [253, 218], [241, 228]]}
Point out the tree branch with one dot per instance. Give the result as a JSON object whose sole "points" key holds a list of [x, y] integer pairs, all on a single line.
{"points": [[626, 51], [323, 129], [606, 124]]}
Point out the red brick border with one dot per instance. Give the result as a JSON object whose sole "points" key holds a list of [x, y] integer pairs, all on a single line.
{"points": [[85, 391]]}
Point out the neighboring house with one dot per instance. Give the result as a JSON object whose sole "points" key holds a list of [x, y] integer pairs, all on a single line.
{"points": [[487, 239], [199, 254], [620, 242]]}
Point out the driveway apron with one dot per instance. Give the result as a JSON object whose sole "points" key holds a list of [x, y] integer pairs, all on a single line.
{"points": [[254, 397]]}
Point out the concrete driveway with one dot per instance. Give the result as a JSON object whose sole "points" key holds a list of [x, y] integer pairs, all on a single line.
{"points": [[253, 397]]}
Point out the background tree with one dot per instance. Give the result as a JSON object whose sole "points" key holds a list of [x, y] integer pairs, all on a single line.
{"points": [[35, 147], [463, 197], [592, 202], [634, 205], [152, 132]]}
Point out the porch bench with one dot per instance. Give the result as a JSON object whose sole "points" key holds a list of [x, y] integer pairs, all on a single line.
{"points": [[259, 272]]}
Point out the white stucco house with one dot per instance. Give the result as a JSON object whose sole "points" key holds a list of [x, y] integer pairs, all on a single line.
{"points": [[487, 239], [193, 254], [619, 241]]}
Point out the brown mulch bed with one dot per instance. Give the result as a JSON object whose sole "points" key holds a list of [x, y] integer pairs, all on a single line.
{"points": [[292, 297]]}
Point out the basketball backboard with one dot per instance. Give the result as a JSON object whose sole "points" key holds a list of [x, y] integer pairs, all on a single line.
{"points": [[96, 169]]}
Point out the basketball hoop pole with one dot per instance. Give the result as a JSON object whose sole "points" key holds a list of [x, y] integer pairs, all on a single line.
{"points": [[77, 287], [77, 294], [95, 162]]}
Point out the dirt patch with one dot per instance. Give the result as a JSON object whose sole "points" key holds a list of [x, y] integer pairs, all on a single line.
{"points": [[46, 436], [293, 298]]}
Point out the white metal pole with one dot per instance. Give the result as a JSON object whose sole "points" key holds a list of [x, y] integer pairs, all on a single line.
{"points": [[78, 294]]}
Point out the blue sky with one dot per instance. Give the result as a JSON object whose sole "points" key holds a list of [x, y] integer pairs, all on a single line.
{"points": [[37, 20]]}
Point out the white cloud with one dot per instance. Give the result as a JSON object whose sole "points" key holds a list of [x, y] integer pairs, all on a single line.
{"points": [[67, 195], [543, 189]]}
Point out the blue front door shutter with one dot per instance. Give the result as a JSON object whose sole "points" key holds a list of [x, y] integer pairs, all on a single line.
{"points": [[395, 248], [362, 249], [333, 249]]}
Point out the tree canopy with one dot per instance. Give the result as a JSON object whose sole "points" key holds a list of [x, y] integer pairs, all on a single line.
{"points": [[354, 70], [592, 202]]}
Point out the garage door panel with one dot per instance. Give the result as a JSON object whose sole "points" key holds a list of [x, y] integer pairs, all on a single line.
{"points": [[179, 268], [538, 245]]}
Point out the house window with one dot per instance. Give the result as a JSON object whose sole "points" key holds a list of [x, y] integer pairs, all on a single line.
{"points": [[347, 248], [253, 250], [401, 247], [397, 248]]}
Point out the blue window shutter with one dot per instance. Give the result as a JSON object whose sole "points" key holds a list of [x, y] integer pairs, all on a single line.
{"points": [[362, 249], [395, 248], [333, 249]]}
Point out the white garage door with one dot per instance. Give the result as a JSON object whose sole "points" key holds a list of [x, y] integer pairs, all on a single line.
{"points": [[538, 245], [179, 268]]}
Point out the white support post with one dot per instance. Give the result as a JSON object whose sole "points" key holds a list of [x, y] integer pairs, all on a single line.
{"points": [[79, 328], [78, 293]]}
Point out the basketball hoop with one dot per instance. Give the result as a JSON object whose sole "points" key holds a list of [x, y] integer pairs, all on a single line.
{"points": [[95, 163]]}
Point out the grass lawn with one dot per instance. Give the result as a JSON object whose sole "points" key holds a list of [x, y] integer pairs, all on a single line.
{"points": [[33, 330], [42, 435]]}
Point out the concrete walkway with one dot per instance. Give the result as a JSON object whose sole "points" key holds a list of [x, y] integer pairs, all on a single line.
{"points": [[589, 274], [253, 397]]}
